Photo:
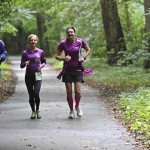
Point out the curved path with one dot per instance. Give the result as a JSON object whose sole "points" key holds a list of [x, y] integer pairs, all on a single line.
{"points": [[96, 130]]}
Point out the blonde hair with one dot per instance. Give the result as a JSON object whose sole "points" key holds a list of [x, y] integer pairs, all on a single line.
{"points": [[33, 35]]}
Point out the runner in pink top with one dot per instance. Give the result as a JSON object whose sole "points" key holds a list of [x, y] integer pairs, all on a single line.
{"points": [[73, 67]]}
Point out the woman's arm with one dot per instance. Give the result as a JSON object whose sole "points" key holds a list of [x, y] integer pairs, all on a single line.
{"points": [[59, 57], [43, 61], [23, 61], [3, 56], [88, 50]]}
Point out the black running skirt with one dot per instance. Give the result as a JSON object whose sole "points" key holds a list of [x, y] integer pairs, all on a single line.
{"points": [[73, 76]]}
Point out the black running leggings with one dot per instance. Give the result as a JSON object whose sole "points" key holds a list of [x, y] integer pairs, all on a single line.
{"points": [[33, 88]]}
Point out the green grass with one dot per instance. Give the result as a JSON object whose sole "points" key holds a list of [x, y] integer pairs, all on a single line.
{"points": [[57, 64], [120, 76], [6, 73], [136, 111]]}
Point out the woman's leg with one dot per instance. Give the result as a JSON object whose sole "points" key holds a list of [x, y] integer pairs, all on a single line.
{"points": [[69, 95], [37, 87], [29, 84], [77, 89]]}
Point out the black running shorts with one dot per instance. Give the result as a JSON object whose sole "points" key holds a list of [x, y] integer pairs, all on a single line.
{"points": [[73, 76]]}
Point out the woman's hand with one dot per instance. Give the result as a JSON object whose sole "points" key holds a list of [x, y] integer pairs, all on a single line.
{"points": [[67, 58], [40, 67], [82, 60], [27, 62]]}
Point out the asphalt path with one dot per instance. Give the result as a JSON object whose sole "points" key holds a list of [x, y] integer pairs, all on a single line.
{"points": [[96, 130]]}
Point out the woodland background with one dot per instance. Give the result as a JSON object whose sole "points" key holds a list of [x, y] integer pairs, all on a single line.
{"points": [[118, 33], [117, 30]]}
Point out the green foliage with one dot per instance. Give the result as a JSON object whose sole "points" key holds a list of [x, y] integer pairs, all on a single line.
{"points": [[57, 64], [78, 14], [136, 57], [127, 77], [9, 28], [5, 73], [133, 23], [5, 9], [19, 16], [85, 16], [136, 111]]}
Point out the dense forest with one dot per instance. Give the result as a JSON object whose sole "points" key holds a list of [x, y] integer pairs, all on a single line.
{"points": [[117, 30]]}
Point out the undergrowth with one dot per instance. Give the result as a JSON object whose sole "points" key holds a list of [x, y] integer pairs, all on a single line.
{"points": [[5, 68], [135, 107]]}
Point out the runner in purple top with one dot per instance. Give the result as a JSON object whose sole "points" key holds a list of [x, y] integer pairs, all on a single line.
{"points": [[3, 54], [73, 67], [34, 60]]}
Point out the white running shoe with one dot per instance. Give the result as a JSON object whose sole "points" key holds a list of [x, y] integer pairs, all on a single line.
{"points": [[71, 115], [79, 112]]}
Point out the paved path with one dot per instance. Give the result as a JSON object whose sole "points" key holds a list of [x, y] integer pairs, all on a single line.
{"points": [[96, 130]]}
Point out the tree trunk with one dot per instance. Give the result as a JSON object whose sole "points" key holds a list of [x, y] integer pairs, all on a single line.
{"points": [[127, 18], [113, 31], [20, 38], [43, 41], [147, 30]]}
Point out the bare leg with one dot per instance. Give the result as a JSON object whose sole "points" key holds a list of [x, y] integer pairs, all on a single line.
{"points": [[69, 95], [77, 90], [77, 98]]}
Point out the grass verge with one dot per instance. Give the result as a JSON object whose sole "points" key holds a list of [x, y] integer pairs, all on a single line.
{"points": [[7, 81]]}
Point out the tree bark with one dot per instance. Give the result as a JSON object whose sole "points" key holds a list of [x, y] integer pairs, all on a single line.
{"points": [[147, 30], [43, 41], [113, 31], [127, 18], [20, 38]]}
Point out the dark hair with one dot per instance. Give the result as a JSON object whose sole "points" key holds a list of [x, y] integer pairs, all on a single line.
{"points": [[70, 28]]}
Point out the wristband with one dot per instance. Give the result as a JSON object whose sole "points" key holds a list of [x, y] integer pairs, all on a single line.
{"points": [[62, 59]]}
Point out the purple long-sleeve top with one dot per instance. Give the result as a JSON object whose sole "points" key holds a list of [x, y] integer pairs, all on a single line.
{"points": [[36, 59], [73, 50], [3, 52]]}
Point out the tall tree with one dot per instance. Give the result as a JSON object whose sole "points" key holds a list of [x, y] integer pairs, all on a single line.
{"points": [[113, 31], [147, 30], [41, 24]]}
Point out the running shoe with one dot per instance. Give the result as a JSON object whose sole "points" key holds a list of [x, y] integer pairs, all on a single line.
{"points": [[79, 112], [71, 115], [33, 115], [38, 114]]}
